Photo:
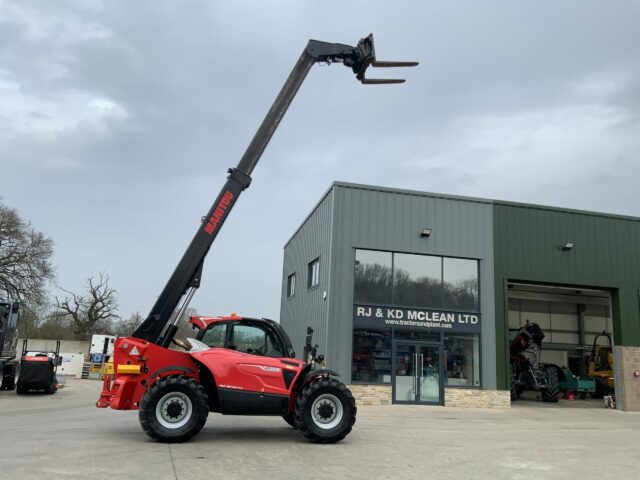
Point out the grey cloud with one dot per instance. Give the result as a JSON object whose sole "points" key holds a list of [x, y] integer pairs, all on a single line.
{"points": [[192, 81]]}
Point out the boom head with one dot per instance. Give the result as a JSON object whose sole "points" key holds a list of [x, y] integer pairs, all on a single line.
{"points": [[358, 58]]}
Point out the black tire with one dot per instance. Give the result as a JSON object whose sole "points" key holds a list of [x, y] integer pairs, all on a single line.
{"points": [[53, 388], [602, 388], [290, 419], [551, 393], [20, 390], [175, 397], [8, 376], [335, 410], [514, 388]]}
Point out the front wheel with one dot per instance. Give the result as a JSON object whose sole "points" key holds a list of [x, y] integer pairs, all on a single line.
{"points": [[325, 410], [174, 409], [290, 418], [9, 375]]}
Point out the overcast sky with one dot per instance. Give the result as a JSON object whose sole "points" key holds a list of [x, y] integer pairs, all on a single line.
{"points": [[119, 119]]}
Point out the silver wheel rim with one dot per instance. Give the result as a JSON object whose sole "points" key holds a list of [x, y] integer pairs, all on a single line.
{"points": [[326, 411], [174, 410]]}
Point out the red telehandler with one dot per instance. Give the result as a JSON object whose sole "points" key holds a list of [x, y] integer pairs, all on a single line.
{"points": [[236, 366]]}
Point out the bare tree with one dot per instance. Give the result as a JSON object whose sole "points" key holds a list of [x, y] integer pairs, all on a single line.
{"points": [[32, 316], [25, 258], [185, 330], [57, 326], [93, 311], [126, 327]]}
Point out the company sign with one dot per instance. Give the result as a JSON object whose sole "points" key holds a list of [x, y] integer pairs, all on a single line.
{"points": [[415, 318]]}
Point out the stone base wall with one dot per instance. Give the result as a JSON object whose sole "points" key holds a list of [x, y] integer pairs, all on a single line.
{"points": [[371, 394], [453, 397], [474, 398], [629, 385]]}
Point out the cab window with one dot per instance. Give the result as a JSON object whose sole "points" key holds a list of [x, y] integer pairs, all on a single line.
{"points": [[215, 335], [256, 340]]}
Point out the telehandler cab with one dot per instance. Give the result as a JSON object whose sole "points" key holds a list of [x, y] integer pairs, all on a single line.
{"points": [[236, 366]]}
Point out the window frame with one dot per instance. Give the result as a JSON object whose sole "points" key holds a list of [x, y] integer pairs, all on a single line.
{"points": [[392, 303], [291, 282], [268, 330], [441, 345], [480, 377], [227, 334], [311, 275]]}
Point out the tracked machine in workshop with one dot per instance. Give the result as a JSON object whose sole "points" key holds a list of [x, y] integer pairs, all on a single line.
{"points": [[236, 366]]}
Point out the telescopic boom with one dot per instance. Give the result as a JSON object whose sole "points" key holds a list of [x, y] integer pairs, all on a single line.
{"points": [[162, 323]]}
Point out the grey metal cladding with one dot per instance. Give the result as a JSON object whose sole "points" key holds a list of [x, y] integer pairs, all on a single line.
{"points": [[388, 219], [384, 219], [307, 307]]}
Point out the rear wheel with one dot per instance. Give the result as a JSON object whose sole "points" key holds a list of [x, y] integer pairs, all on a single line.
{"points": [[174, 409], [514, 388], [9, 376], [325, 411], [552, 392], [602, 388], [53, 387]]}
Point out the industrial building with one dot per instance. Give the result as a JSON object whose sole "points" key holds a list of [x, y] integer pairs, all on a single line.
{"points": [[414, 296]]}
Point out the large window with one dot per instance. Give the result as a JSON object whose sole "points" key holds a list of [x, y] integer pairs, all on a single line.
{"points": [[256, 340], [373, 280], [216, 335], [462, 360], [371, 356], [313, 279], [416, 280], [422, 281], [371, 360], [460, 284]]}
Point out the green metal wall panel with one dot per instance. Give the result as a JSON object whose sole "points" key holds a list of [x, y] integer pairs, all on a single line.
{"points": [[528, 244]]}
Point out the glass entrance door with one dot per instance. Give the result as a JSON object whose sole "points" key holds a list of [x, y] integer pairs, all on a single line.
{"points": [[417, 374]]}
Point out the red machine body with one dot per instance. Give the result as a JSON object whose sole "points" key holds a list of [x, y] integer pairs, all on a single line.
{"points": [[238, 379]]}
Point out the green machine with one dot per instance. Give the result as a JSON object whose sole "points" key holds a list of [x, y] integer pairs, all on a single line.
{"points": [[569, 382]]}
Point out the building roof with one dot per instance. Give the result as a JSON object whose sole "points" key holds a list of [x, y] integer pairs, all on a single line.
{"points": [[418, 193]]}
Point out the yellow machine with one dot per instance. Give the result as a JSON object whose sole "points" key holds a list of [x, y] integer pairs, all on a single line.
{"points": [[601, 367]]}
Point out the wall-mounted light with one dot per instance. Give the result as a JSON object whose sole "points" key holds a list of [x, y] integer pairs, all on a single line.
{"points": [[568, 246], [426, 232]]}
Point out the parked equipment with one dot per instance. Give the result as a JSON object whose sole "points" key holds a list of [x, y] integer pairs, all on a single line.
{"points": [[570, 383], [527, 373], [9, 365], [601, 367], [38, 370], [237, 366]]}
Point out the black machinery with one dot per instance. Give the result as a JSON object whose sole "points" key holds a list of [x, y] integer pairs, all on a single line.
{"points": [[9, 365], [38, 370]]}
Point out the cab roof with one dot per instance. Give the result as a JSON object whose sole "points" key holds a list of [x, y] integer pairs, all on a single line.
{"points": [[202, 322]]}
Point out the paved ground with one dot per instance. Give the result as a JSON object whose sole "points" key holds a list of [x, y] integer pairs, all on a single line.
{"points": [[64, 437]]}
